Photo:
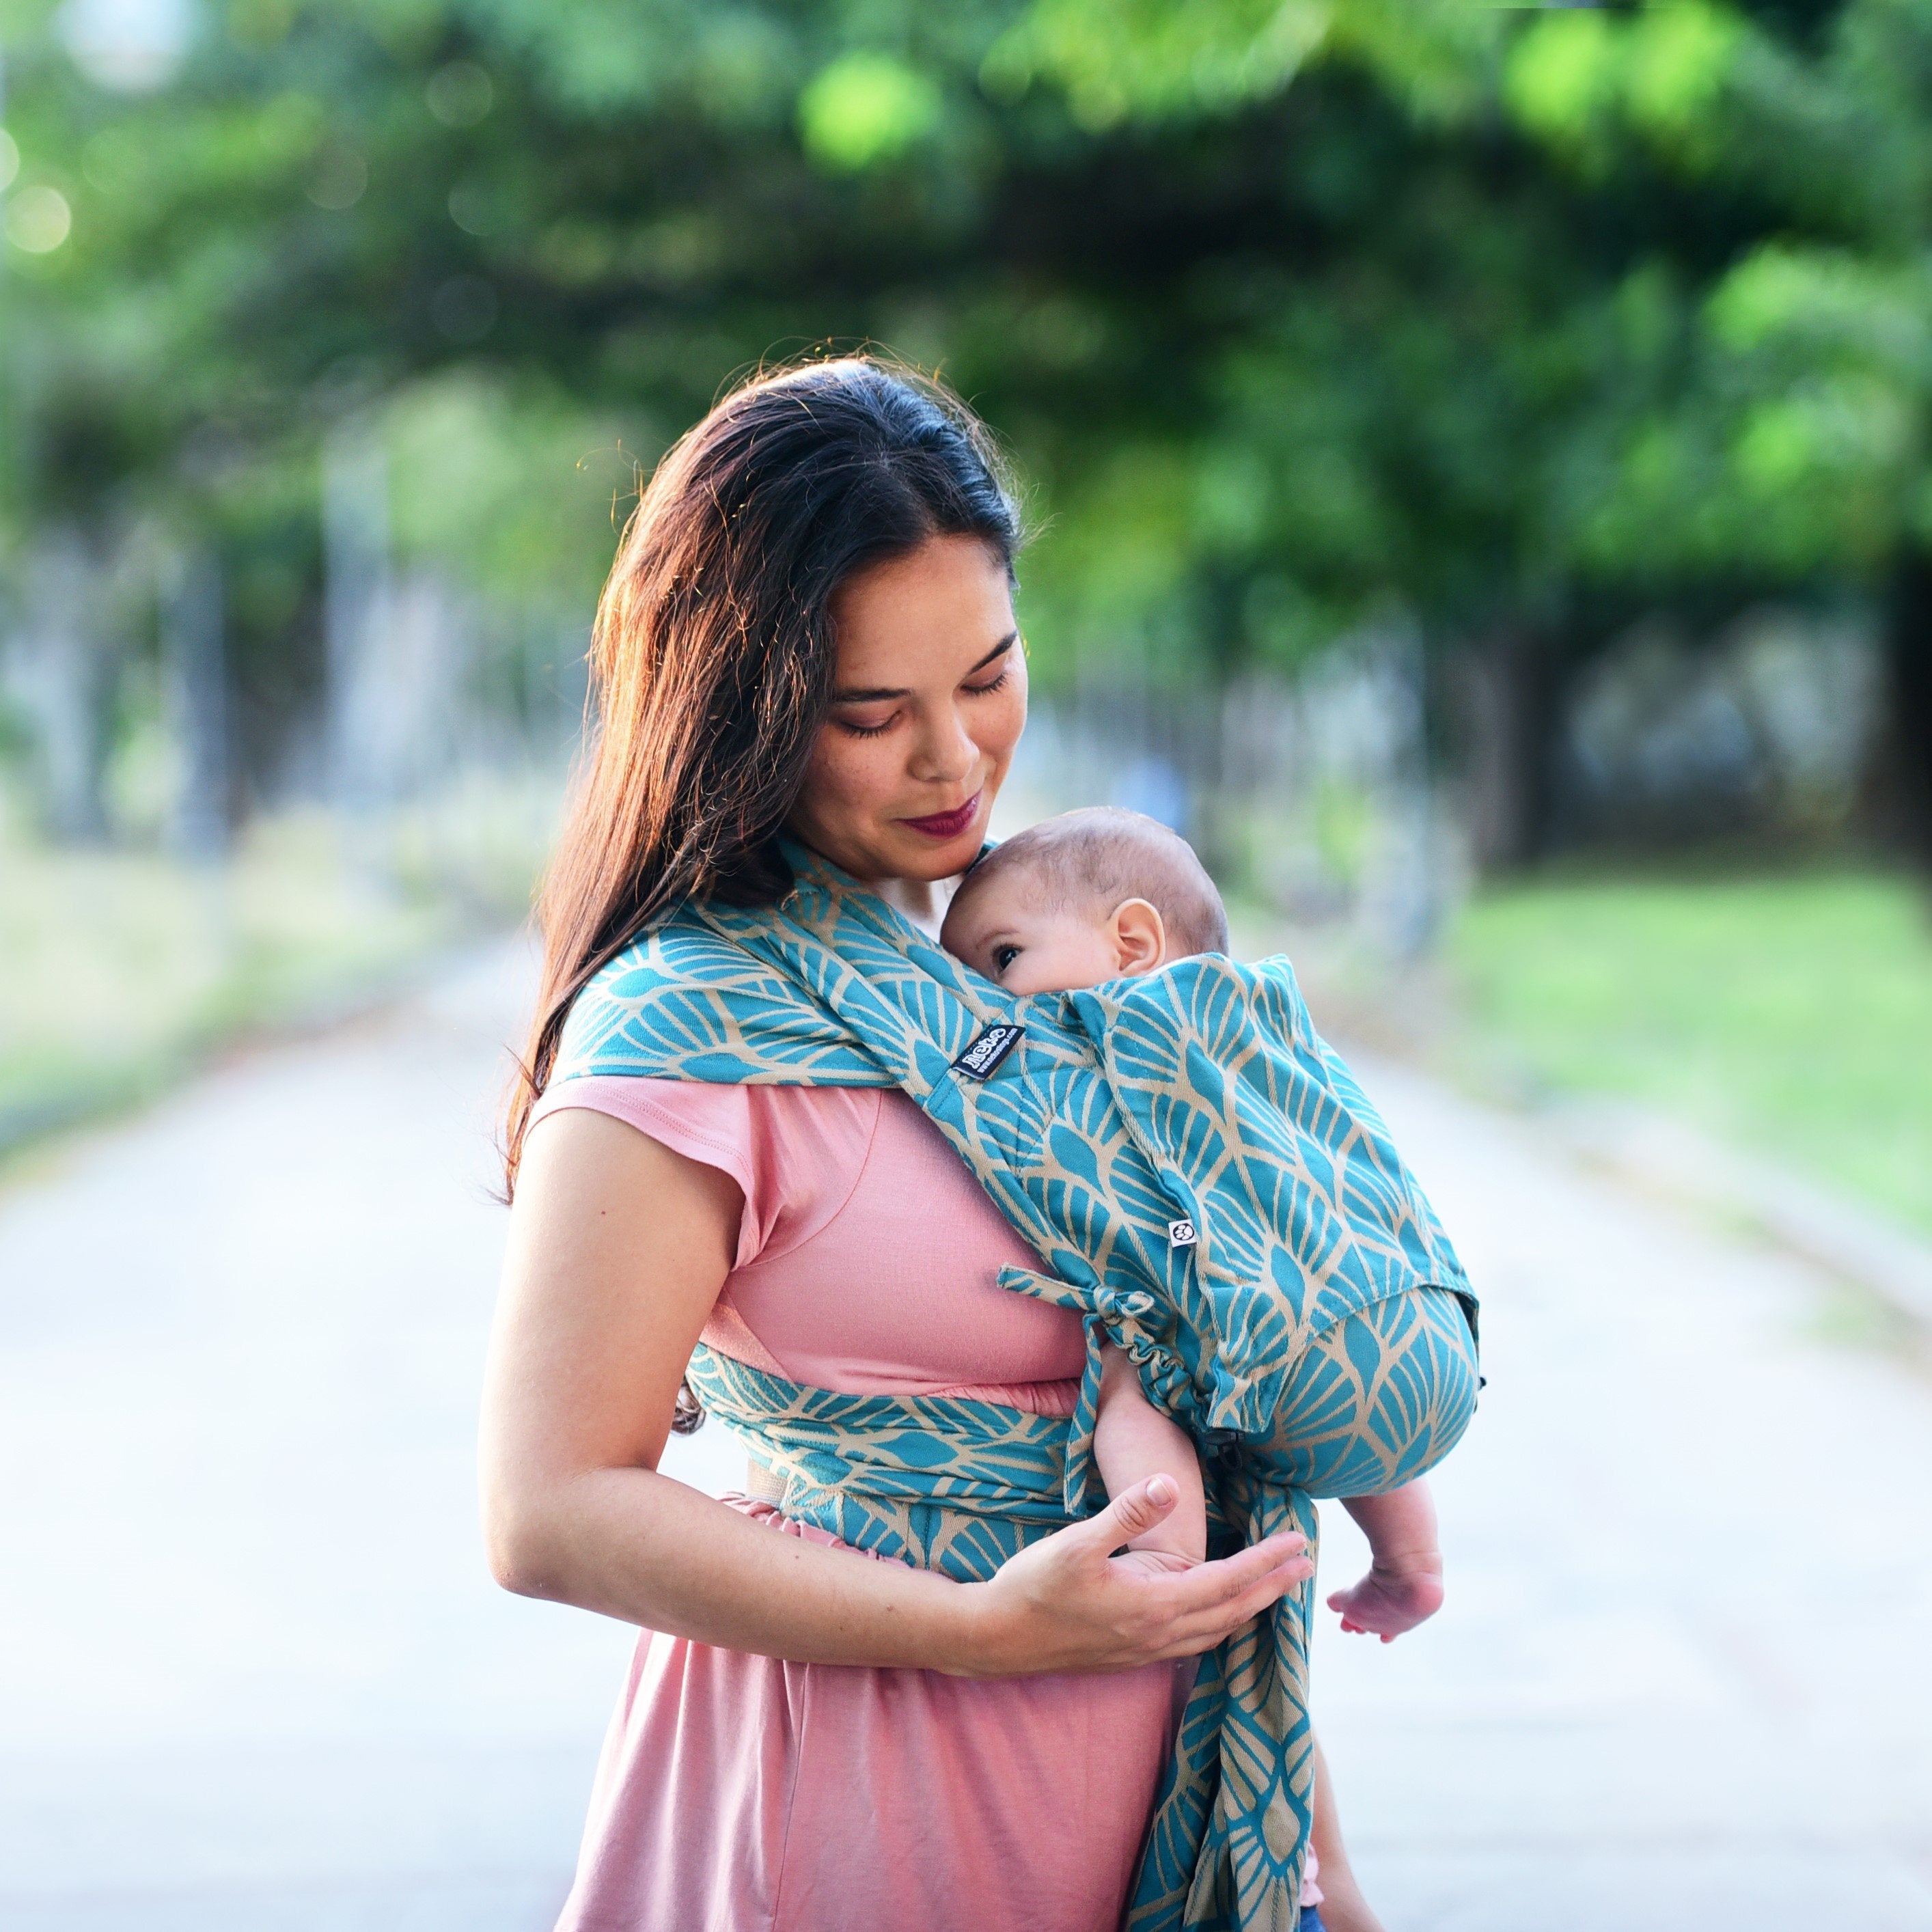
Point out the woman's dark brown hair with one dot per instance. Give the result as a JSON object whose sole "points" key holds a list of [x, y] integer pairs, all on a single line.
{"points": [[711, 659]]}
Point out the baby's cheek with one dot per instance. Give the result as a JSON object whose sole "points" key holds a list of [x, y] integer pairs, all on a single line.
{"points": [[1027, 974]]}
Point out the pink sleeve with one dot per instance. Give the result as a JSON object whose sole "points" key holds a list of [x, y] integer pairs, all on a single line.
{"points": [[796, 1152], [712, 1124]]}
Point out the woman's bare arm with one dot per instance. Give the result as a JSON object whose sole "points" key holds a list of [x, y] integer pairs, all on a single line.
{"points": [[618, 1248]]}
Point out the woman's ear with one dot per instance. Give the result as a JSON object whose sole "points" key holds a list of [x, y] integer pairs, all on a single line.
{"points": [[1139, 938]]}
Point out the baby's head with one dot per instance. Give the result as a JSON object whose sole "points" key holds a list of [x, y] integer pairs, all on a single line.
{"points": [[1087, 896]]}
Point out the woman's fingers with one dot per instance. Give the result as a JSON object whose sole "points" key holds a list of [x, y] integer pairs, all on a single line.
{"points": [[1231, 1611], [1188, 1636], [1192, 1611], [1220, 1598], [1223, 1581]]}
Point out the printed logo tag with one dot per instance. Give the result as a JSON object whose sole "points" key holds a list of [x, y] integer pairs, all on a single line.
{"points": [[1182, 1234], [987, 1051]]}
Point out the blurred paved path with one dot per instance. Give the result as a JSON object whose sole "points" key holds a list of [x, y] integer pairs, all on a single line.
{"points": [[1681, 1679], [253, 1678]]}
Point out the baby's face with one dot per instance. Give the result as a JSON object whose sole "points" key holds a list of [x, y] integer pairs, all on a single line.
{"points": [[1003, 930]]}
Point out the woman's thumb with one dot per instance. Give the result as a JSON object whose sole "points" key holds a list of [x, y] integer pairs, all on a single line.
{"points": [[1136, 1511]]}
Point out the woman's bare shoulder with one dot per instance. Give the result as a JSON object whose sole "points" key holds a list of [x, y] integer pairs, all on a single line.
{"points": [[584, 1159]]}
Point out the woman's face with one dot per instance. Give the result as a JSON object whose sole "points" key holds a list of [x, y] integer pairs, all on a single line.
{"points": [[929, 701]]}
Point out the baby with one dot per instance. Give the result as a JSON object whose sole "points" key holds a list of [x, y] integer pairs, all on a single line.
{"points": [[1104, 895]]}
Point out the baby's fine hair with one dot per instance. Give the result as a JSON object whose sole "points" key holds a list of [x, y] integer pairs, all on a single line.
{"points": [[1103, 855]]}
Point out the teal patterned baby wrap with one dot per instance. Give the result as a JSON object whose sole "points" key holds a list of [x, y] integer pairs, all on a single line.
{"points": [[1311, 1335]]}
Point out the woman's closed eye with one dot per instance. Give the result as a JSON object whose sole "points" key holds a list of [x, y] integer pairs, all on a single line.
{"points": [[877, 726]]}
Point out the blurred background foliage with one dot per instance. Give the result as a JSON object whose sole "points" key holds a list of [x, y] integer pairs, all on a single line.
{"points": [[1459, 439]]}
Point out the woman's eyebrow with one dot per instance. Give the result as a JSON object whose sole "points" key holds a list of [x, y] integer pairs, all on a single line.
{"points": [[1005, 644]]}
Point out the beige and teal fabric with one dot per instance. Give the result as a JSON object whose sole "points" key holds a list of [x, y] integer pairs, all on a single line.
{"points": [[1205, 1185]]}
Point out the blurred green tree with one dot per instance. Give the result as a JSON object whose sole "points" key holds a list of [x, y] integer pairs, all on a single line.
{"points": [[1782, 437], [1292, 311]]}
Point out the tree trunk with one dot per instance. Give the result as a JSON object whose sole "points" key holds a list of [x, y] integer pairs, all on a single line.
{"points": [[1511, 704], [194, 666], [355, 614], [60, 671], [1905, 788]]}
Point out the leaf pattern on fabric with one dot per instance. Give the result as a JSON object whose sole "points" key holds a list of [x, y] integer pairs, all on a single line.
{"points": [[1317, 1338]]}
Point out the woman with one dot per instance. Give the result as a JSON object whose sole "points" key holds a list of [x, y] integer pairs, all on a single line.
{"points": [[809, 630]]}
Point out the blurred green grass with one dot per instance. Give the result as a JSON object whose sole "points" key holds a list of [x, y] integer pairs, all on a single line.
{"points": [[1792, 1014], [119, 971]]}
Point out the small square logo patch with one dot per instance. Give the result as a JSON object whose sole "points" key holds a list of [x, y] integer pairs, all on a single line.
{"points": [[984, 1055], [1182, 1234]]}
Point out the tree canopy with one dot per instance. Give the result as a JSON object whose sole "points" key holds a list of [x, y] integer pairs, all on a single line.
{"points": [[1291, 309]]}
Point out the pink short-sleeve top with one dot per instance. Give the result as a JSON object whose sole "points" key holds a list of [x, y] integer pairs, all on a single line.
{"points": [[867, 1256]]}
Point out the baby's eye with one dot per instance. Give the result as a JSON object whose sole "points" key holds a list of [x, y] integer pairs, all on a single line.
{"points": [[1004, 956]]}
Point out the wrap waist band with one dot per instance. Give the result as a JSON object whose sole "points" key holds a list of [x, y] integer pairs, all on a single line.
{"points": [[944, 1483]]}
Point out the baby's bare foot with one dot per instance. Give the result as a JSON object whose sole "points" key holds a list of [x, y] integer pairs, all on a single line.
{"points": [[1386, 1603]]}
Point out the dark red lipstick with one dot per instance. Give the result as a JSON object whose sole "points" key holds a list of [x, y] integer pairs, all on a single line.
{"points": [[944, 825]]}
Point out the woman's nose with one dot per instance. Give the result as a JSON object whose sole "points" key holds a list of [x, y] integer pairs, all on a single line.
{"points": [[946, 751]]}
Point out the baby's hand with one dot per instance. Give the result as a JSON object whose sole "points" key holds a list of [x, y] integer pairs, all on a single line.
{"points": [[1387, 1602]]}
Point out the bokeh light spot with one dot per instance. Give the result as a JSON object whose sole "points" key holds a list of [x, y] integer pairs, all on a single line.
{"points": [[38, 220], [864, 109], [472, 207], [127, 46], [460, 94], [340, 177]]}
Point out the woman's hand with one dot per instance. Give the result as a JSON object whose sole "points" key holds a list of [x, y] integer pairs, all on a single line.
{"points": [[1063, 1605]]}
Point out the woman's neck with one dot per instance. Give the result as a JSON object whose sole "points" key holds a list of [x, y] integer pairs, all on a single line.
{"points": [[922, 900]]}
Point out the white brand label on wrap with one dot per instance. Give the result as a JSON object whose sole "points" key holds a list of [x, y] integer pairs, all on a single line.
{"points": [[1182, 1234]]}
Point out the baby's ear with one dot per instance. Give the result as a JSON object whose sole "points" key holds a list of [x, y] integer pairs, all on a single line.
{"points": [[1139, 937]]}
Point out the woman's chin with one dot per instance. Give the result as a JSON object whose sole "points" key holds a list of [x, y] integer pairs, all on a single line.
{"points": [[932, 859], [932, 862], [906, 858], [898, 850]]}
